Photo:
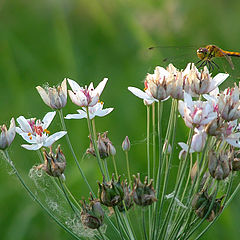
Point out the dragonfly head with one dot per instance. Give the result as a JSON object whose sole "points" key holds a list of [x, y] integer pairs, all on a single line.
{"points": [[202, 53]]}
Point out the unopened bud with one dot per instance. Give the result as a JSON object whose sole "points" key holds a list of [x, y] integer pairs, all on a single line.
{"points": [[126, 144], [7, 136]]}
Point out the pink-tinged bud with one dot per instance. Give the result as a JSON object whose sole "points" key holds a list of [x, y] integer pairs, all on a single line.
{"points": [[126, 144], [111, 149], [92, 214], [7, 136]]}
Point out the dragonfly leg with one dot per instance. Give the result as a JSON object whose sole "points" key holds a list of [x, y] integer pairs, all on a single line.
{"points": [[215, 64], [199, 61]]}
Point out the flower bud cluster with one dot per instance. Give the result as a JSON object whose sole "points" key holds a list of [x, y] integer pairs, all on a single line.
{"points": [[105, 146], [143, 193], [202, 202], [164, 83]]}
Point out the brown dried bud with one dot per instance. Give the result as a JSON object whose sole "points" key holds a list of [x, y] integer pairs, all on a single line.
{"points": [[104, 145], [112, 193], [54, 165], [143, 194], [92, 214], [127, 199], [220, 165]]}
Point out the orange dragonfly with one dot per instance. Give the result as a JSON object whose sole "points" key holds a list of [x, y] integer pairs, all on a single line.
{"points": [[208, 53]]}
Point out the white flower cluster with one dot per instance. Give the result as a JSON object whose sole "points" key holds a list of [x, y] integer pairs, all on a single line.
{"points": [[216, 115]]}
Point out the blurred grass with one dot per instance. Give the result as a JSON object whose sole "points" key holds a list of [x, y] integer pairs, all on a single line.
{"points": [[45, 41]]}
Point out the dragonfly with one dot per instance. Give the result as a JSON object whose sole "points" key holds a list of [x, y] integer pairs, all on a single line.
{"points": [[208, 53]]}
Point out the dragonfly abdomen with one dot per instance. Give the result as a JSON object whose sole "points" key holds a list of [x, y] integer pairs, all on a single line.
{"points": [[235, 54]]}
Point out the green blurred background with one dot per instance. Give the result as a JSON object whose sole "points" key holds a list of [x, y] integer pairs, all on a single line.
{"points": [[87, 40]]}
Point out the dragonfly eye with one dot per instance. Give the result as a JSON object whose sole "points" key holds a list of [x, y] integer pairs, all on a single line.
{"points": [[202, 53]]}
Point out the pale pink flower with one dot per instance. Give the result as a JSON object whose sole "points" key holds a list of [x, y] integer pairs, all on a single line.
{"points": [[229, 104], [202, 82], [196, 113], [87, 96]]}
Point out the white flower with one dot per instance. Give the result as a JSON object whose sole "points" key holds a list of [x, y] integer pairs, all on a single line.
{"points": [[35, 132], [202, 82], [157, 85], [56, 98], [7, 136], [96, 110], [85, 97], [196, 113], [229, 104], [178, 81]]}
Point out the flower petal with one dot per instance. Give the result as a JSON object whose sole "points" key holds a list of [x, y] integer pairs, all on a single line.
{"points": [[74, 85], [104, 112], [98, 90], [48, 119], [76, 116], [33, 147], [53, 138], [24, 125], [43, 95]]}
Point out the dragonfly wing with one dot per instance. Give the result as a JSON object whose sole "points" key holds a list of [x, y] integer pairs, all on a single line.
{"points": [[229, 61]]}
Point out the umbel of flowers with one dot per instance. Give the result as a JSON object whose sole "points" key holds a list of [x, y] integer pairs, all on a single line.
{"points": [[207, 168]]}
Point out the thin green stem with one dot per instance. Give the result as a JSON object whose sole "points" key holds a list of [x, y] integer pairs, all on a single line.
{"points": [[154, 139], [6, 155], [128, 168], [143, 224], [67, 198], [70, 194], [73, 153], [92, 136], [115, 166], [206, 215], [106, 169]]}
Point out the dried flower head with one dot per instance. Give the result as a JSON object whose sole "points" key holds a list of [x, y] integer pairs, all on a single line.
{"points": [[54, 164], [92, 214], [143, 193], [112, 193]]}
